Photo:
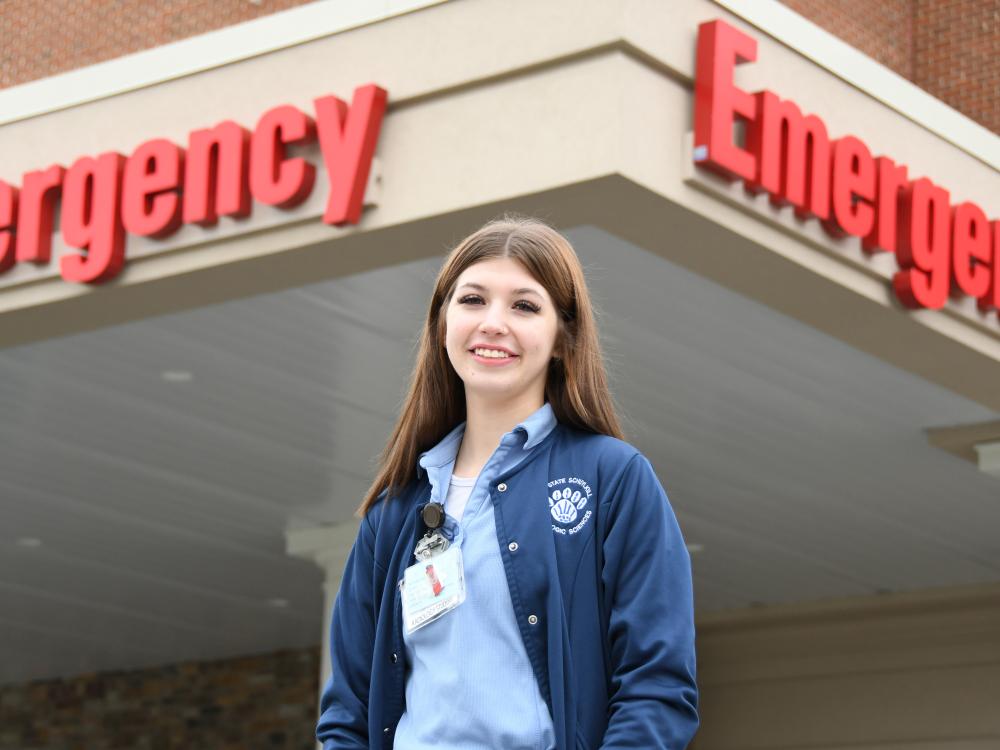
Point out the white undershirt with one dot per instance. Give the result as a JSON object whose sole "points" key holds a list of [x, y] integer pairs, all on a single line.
{"points": [[459, 490]]}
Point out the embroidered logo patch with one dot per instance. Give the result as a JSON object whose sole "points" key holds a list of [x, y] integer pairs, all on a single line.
{"points": [[568, 498]]}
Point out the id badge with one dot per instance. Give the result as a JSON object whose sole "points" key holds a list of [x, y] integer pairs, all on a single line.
{"points": [[432, 588]]}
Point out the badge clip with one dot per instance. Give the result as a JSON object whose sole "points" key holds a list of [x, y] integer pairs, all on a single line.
{"points": [[433, 543]]}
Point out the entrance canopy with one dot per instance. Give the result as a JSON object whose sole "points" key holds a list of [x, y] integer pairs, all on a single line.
{"points": [[165, 428]]}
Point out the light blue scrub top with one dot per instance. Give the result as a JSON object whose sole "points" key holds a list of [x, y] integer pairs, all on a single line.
{"points": [[471, 665]]}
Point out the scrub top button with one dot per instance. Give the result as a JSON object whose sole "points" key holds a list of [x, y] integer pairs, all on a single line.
{"points": [[532, 620], [502, 487], [512, 546], [385, 731], [393, 657]]}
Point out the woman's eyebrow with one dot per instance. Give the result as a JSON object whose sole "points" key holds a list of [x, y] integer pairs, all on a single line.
{"points": [[481, 288]]}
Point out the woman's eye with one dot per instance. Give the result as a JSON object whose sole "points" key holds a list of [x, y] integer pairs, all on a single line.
{"points": [[523, 305]]}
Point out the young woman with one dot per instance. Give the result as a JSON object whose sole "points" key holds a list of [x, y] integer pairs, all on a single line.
{"points": [[519, 579]]}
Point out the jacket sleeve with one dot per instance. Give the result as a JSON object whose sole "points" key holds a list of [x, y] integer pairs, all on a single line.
{"points": [[648, 592], [343, 721]]}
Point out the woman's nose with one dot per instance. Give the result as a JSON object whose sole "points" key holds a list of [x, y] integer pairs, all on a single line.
{"points": [[493, 320]]}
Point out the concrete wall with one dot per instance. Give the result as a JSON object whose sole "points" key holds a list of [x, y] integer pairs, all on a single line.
{"points": [[899, 672]]}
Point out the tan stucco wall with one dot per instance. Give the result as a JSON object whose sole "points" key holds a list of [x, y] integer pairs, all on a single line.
{"points": [[914, 671]]}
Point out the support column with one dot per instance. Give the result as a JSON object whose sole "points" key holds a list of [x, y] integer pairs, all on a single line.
{"points": [[328, 547]]}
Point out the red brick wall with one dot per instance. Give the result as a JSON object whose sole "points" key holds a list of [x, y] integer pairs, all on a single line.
{"points": [[267, 701], [39, 39], [950, 48], [882, 29], [957, 55]]}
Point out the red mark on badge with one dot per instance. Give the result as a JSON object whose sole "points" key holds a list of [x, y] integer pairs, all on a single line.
{"points": [[435, 582]]}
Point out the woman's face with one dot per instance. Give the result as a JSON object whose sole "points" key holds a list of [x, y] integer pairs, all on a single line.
{"points": [[500, 308]]}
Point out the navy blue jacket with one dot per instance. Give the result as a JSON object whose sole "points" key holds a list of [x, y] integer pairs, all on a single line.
{"points": [[600, 582]]}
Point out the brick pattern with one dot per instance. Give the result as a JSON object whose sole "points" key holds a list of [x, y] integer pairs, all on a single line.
{"points": [[949, 48], [267, 701], [957, 55], [882, 30], [39, 39]]}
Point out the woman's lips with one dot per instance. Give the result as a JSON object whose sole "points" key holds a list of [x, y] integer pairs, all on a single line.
{"points": [[493, 361]]}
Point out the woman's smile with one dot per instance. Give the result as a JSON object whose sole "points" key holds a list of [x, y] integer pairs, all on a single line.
{"points": [[492, 357]]}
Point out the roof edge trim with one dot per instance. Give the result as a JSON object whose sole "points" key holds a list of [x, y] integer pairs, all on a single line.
{"points": [[195, 54]]}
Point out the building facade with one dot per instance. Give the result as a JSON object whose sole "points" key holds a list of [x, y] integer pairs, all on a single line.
{"points": [[218, 227]]}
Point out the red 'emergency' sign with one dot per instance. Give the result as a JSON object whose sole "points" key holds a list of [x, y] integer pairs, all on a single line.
{"points": [[161, 185], [940, 248]]}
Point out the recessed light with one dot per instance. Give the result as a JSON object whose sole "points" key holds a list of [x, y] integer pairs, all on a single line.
{"points": [[278, 603], [29, 541], [176, 376], [694, 547]]}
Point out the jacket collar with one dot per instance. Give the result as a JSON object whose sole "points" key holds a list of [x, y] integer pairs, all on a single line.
{"points": [[536, 428]]}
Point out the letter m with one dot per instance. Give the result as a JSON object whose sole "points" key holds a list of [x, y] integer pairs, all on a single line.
{"points": [[793, 156]]}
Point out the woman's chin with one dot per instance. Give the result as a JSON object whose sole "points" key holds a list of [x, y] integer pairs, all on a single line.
{"points": [[504, 390], [499, 388]]}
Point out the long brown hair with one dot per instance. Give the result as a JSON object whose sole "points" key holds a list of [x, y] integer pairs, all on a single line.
{"points": [[576, 385]]}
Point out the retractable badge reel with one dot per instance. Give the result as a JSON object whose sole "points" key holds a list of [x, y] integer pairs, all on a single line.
{"points": [[435, 585]]}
